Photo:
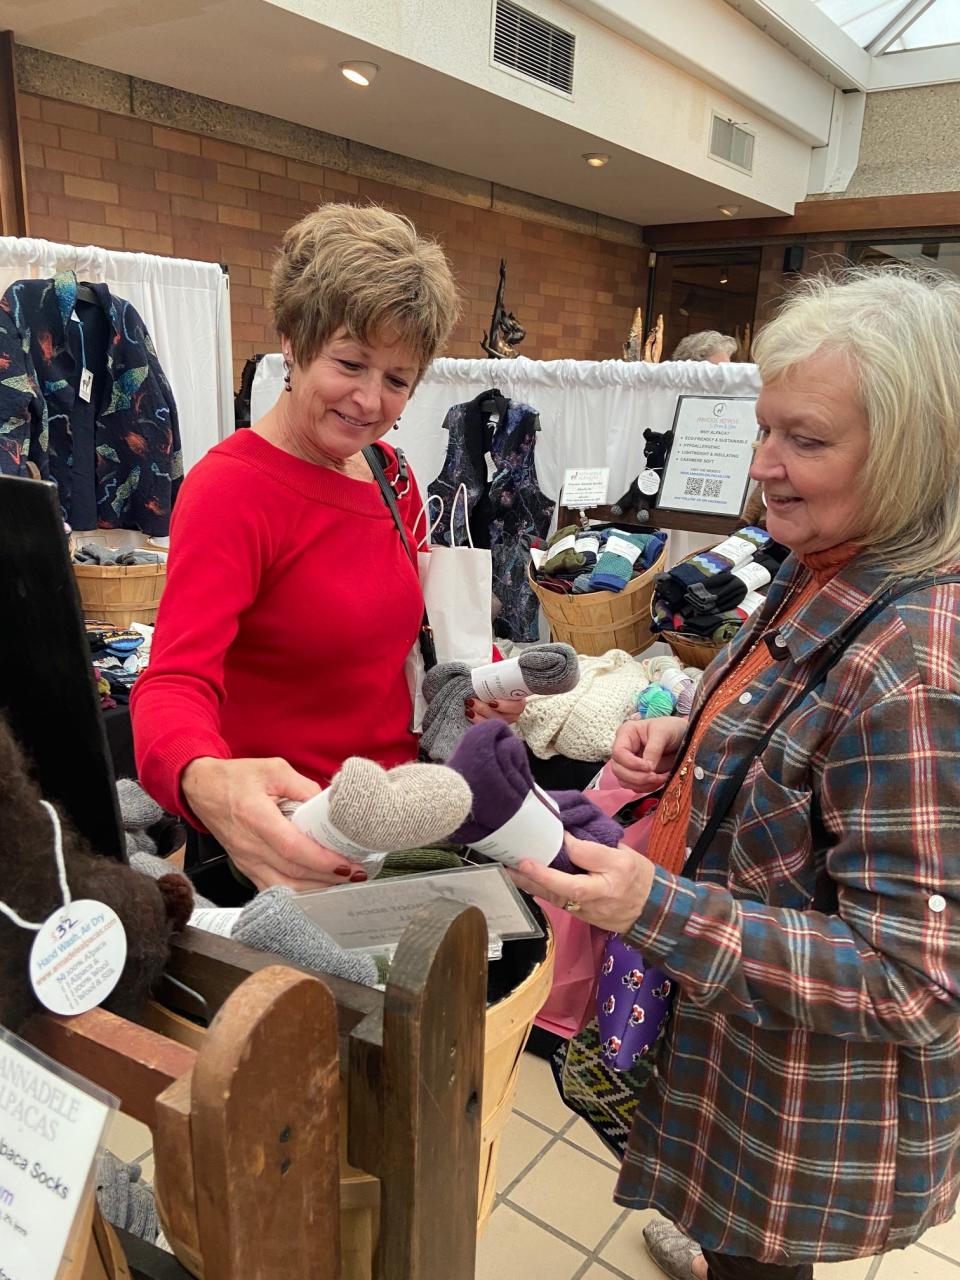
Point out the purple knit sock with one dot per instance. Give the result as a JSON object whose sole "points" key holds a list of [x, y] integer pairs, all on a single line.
{"points": [[496, 767]]}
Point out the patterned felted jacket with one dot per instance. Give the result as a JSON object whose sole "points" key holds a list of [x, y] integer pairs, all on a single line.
{"points": [[807, 1100], [506, 508], [129, 475]]}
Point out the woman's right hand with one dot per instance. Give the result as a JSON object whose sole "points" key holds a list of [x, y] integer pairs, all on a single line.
{"points": [[644, 752], [236, 800]]}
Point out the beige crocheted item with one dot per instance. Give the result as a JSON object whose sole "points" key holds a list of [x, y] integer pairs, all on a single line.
{"points": [[582, 724]]}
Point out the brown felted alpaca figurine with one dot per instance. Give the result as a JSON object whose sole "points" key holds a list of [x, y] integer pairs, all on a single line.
{"points": [[151, 910]]}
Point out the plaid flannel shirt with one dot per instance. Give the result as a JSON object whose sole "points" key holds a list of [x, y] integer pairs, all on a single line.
{"points": [[807, 1099]]}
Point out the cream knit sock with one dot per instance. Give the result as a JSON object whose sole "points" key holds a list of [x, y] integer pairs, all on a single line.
{"points": [[368, 812]]}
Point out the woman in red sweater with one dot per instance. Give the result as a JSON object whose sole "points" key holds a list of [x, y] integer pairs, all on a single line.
{"points": [[291, 604]]}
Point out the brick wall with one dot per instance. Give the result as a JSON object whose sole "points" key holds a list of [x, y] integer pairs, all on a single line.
{"points": [[121, 182]]}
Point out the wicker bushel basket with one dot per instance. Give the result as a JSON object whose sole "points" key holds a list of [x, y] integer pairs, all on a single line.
{"points": [[602, 620], [689, 650], [121, 594]]}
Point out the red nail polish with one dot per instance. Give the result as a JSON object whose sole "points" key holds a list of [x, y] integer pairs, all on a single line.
{"points": [[471, 716], [470, 702], [358, 876], [493, 705], [341, 871]]}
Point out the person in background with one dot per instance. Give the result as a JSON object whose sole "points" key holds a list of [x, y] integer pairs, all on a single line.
{"points": [[291, 603], [709, 345], [806, 1104]]}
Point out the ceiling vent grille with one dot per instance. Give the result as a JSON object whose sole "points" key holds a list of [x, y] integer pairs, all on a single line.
{"points": [[526, 43], [731, 144]]}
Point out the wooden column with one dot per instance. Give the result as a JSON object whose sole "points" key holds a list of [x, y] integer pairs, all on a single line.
{"points": [[13, 187]]}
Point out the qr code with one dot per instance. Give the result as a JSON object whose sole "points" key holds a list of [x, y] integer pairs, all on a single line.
{"points": [[693, 486], [711, 488]]}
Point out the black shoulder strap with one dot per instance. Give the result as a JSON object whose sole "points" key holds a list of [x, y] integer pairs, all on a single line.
{"points": [[373, 455], [831, 656]]}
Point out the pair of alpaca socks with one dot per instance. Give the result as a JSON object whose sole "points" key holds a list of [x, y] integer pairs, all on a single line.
{"points": [[368, 811], [511, 818], [545, 669], [619, 554]]}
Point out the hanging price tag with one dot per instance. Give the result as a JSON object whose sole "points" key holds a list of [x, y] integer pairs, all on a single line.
{"points": [[78, 956], [86, 385]]}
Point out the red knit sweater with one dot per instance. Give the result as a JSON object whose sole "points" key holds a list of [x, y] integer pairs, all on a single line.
{"points": [[289, 610]]}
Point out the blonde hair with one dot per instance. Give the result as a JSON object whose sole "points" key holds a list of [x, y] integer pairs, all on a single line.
{"points": [[366, 270], [700, 346], [900, 328]]}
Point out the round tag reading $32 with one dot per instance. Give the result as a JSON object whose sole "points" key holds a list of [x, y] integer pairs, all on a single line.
{"points": [[648, 481], [78, 956]]}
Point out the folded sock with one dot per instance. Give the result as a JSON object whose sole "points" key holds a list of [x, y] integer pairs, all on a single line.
{"points": [[567, 561], [588, 546], [381, 810], [753, 533], [273, 922], [581, 817], [723, 592], [726, 631], [582, 584], [408, 862], [496, 767], [446, 688], [137, 810], [568, 531], [544, 669], [563, 586], [620, 552], [125, 1201]]}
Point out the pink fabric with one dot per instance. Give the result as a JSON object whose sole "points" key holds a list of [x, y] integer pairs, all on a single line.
{"points": [[579, 946]]}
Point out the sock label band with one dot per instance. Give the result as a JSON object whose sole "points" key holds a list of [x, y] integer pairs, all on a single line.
{"points": [[313, 819], [499, 680], [535, 831], [621, 547], [565, 544], [752, 575], [749, 604], [737, 550], [218, 920], [588, 544], [672, 680]]}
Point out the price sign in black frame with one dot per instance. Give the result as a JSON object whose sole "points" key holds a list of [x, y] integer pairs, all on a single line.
{"points": [[711, 448]]}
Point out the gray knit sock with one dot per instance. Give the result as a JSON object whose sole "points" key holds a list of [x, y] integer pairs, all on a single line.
{"points": [[150, 865], [138, 842], [124, 1200], [581, 585], [446, 688], [273, 922], [550, 668], [137, 810]]}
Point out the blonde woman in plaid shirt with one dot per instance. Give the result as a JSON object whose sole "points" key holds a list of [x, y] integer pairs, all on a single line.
{"points": [[807, 1100]]}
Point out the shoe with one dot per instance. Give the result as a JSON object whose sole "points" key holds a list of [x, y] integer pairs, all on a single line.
{"points": [[672, 1251]]}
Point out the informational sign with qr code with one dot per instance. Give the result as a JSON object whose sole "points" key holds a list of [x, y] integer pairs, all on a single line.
{"points": [[708, 466]]}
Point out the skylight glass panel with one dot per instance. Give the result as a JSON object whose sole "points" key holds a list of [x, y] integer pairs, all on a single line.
{"points": [[862, 20], [939, 25]]}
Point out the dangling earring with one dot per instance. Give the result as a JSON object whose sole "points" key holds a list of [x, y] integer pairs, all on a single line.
{"points": [[286, 375], [396, 425]]}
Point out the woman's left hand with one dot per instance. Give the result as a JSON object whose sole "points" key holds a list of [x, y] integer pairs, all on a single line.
{"points": [[610, 895], [508, 710]]}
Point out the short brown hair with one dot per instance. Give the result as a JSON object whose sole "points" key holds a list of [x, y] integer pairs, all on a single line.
{"points": [[366, 270]]}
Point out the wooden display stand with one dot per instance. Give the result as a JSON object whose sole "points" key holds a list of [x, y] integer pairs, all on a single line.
{"points": [[246, 1129]]}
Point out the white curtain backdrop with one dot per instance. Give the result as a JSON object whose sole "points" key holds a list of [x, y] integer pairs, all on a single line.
{"points": [[186, 308], [592, 413]]}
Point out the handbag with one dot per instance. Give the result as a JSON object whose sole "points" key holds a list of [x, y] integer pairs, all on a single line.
{"points": [[601, 1080]]}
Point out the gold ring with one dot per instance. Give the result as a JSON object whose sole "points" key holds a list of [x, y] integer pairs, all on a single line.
{"points": [[572, 907]]}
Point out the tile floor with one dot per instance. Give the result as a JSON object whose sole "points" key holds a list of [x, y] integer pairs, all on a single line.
{"points": [[555, 1218]]}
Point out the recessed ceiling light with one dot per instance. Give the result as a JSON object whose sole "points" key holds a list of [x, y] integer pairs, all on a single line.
{"points": [[729, 210], [361, 73], [596, 159]]}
